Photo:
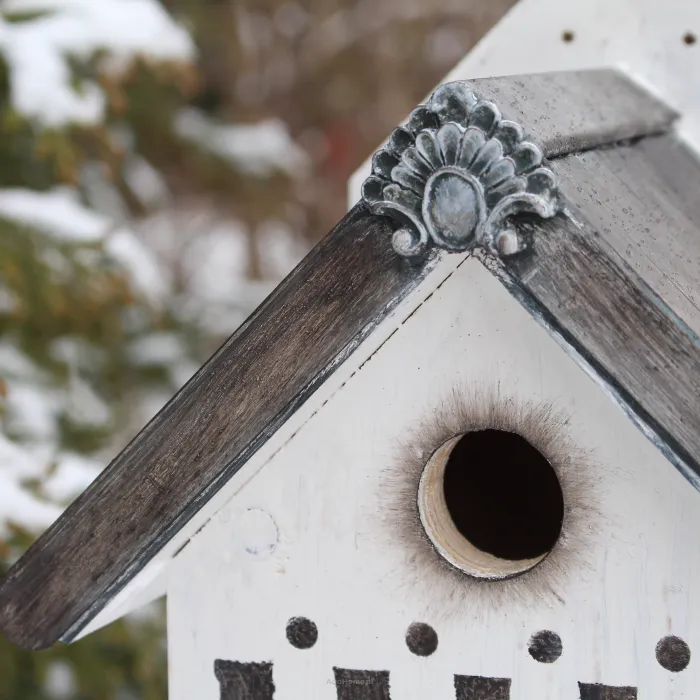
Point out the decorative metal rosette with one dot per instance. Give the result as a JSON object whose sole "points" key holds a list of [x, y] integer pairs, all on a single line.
{"points": [[454, 174]]}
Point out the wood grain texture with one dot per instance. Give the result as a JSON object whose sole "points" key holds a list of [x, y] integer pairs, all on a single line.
{"points": [[573, 111], [643, 201], [565, 112], [615, 319], [270, 365]]}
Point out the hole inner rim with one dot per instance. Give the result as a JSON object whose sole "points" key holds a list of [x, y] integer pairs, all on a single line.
{"points": [[442, 532]]}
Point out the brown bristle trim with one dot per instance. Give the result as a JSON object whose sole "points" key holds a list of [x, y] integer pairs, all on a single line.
{"points": [[435, 583]]}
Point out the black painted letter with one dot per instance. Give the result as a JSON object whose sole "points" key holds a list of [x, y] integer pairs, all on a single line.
{"points": [[596, 691], [481, 688], [361, 685], [240, 681]]}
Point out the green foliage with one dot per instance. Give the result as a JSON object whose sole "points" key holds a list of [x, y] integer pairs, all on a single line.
{"points": [[79, 291], [51, 281], [127, 657], [26, 16], [124, 659]]}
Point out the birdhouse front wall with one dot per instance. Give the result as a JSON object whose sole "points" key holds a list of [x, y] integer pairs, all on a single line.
{"points": [[319, 580]]}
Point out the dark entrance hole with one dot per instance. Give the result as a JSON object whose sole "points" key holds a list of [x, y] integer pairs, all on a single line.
{"points": [[503, 495]]}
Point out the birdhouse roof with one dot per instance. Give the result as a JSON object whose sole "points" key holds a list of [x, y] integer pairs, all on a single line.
{"points": [[613, 276]]}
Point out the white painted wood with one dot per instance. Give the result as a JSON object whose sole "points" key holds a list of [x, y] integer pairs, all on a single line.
{"points": [[255, 527], [332, 563], [643, 37], [150, 583], [148, 586]]}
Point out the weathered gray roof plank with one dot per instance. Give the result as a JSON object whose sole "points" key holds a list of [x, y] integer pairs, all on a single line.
{"points": [[604, 271], [643, 200], [565, 112]]}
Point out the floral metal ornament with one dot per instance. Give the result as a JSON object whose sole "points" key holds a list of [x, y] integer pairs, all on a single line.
{"points": [[454, 174]]}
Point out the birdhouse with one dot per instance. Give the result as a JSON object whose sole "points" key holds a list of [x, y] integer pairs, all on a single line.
{"points": [[456, 453]]}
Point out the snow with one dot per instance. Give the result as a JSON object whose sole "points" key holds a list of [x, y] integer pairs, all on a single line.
{"points": [[182, 372], [76, 351], [259, 149], [220, 293], [8, 300], [72, 474], [162, 350], [30, 407], [17, 505], [15, 363], [213, 257], [36, 51], [59, 213], [60, 681], [156, 349], [145, 181], [28, 404], [145, 274], [99, 194], [280, 249], [19, 462], [216, 262], [148, 403], [84, 407], [31, 410]]}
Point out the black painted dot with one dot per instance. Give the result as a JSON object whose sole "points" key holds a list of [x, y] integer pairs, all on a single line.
{"points": [[302, 633], [567, 36], [673, 653], [421, 639], [689, 38], [545, 646]]}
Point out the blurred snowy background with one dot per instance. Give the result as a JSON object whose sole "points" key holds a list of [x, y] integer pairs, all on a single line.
{"points": [[163, 164]]}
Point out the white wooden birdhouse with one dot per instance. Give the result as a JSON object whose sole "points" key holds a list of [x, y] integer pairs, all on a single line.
{"points": [[456, 453]]}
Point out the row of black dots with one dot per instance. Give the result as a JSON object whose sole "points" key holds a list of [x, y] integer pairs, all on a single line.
{"points": [[672, 652], [544, 646]]}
